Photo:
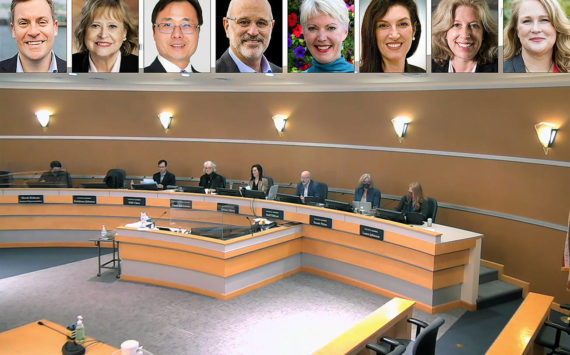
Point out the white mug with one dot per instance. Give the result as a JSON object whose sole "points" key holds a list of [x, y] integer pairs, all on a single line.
{"points": [[129, 347], [429, 221]]}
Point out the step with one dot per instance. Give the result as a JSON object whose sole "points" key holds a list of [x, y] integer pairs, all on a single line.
{"points": [[495, 292], [486, 274]]}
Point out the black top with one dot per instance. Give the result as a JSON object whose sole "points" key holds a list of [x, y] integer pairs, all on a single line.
{"points": [[492, 67], [56, 178], [156, 67], [80, 63], [169, 179], [405, 205], [212, 181]]}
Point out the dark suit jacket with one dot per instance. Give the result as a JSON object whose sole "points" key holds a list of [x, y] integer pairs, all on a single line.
{"points": [[56, 177], [225, 64], [492, 67], [156, 67], [514, 65], [404, 206], [212, 181], [80, 63], [169, 179], [373, 196], [313, 189], [10, 65]]}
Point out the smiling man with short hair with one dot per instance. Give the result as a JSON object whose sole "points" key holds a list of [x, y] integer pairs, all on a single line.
{"points": [[34, 28]]}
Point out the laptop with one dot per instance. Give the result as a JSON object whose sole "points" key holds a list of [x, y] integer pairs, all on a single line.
{"points": [[362, 206]]}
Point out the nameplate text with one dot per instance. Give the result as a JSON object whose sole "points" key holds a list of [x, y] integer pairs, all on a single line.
{"points": [[84, 200], [134, 201], [320, 221], [30, 198], [274, 214], [185, 204], [374, 233], [228, 208]]}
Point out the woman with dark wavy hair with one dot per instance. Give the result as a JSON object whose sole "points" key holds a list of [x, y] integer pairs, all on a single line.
{"points": [[390, 33], [464, 37]]}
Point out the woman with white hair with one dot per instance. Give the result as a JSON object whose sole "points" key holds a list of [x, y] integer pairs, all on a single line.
{"points": [[325, 26]]}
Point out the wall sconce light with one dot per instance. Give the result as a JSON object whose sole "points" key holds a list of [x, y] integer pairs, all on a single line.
{"points": [[280, 122], [546, 133], [43, 117], [401, 124], [165, 119]]}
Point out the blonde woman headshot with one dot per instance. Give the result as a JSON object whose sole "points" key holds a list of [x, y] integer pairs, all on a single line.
{"points": [[464, 37], [537, 38]]}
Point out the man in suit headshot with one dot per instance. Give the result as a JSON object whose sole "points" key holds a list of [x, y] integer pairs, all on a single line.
{"points": [[176, 30], [34, 28], [164, 177], [248, 25], [307, 187]]}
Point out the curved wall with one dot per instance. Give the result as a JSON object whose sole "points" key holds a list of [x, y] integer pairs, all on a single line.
{"points": [[338, 136]]}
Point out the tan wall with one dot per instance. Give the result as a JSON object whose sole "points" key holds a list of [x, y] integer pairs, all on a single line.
{"points": [[496, 122]]}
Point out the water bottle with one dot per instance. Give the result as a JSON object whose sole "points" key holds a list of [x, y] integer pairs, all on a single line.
{"points": [[79, 330], [132, 184], [104, 232]]}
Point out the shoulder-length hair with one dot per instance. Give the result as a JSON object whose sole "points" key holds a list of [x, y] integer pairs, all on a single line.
{"points": [[371, 58], [444, 17], [118, 10], [364, 177], [259, 169], [334, 8], [561, 50], [418, 194]]}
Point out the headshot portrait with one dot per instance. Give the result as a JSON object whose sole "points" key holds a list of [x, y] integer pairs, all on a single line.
{"points": [[393, 36], [536, 36], [177, 36], [249, 36], [464, 36], [321, 36], [105, 36], [33, 36]]}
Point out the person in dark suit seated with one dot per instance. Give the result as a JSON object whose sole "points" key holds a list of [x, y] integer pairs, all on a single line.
{"points": [[211, 179], [105, 37], [366, 192], [414, 201], [34, 28], [164, 177], [56, 175], [248, 26], [307, 187], [464, 38], [257, 181], [176, 30]]}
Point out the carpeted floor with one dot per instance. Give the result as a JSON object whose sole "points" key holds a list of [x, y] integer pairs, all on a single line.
{"points": [[296, 315]]}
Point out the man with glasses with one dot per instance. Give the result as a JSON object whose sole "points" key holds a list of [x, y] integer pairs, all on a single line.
{"points": [[176, 29], [248, 25]]}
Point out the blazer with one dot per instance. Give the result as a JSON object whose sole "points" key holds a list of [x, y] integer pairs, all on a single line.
{"points": [[514, 65], [492, 67], [374, 196], [10, 65], [212, 181], [225, 64], [169, 179], [313, 189], [404, 206], [80, 63], [156, 67], [263, 185]]}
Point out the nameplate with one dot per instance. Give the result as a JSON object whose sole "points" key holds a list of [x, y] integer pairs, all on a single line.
{"points": [[134, 201], [374, 233], [30, 198], [84, 200], [270, 213], [320, 221], [228, 208], [185, 204]]}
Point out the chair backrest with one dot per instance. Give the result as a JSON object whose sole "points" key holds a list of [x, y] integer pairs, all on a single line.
{"points": [[270, 181], [5, 179], [432, 213], [426, 340], [272, 193], [324, 190], [115, 178]]}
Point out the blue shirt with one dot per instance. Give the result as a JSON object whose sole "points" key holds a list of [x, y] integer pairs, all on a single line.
{"points": [[338, 66]]}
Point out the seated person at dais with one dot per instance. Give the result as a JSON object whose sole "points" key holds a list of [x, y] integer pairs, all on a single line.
{"points": [[56, 175], [257, 181], [414, 201], [366, 192], [210, 179], [307, 187], [164, 177]]}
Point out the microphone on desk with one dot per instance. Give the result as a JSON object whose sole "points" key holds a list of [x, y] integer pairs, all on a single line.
{"points": [[70, 347], [55, 330], [251, 224]]}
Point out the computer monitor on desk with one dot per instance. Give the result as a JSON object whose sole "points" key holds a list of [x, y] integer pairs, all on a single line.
{"points": [[253, 193], [391, 215], [95, 185], [228, 192], [44, 185], [288, 198], [194, 189], [312, 200], [338, 205], [152, 187]]}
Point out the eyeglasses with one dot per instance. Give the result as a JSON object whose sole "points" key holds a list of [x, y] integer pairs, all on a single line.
{"points": [[244, 22], [168, 28]]}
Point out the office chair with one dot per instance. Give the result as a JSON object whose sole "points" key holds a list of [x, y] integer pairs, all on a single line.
{"points": [[5, 179], [433, 207], [555, 337], [324, 190], [115, 178], [426, 336], [270, 180]]}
